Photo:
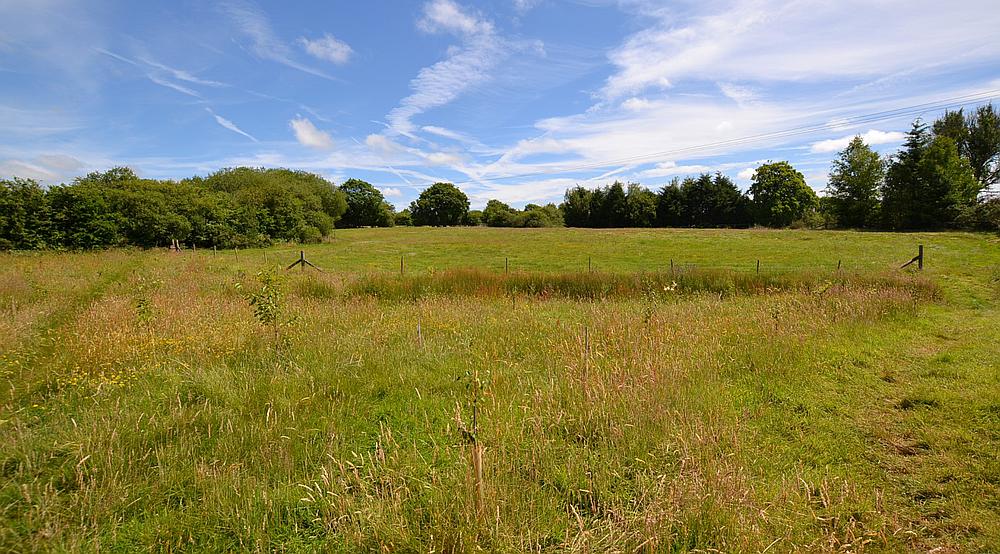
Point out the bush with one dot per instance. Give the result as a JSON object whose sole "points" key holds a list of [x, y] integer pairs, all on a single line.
{"points": [[981, 216]]}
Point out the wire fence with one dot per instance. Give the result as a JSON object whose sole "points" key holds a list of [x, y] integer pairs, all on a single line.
{"points": [[404, 263]]}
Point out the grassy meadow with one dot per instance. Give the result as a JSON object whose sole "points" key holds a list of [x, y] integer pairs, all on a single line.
{"points": [[618, 390]]}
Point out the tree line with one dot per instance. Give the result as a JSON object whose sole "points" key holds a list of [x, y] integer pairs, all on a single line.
{"points": [[237, 207], [934, 182]]}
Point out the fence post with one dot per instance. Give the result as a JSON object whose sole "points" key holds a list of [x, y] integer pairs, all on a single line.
{"points": [[400, 265], [758, 267], [919, 258], [838, 265], [506, 265], [589, 267]]}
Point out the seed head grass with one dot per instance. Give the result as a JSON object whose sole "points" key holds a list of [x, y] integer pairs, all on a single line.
{"points": [[146, 407]]}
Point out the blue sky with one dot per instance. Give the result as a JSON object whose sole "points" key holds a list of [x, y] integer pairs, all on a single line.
{"points": [[511, 99]]}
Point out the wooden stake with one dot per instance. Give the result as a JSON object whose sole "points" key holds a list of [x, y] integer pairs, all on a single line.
{"points": [[506, 265], [586, 362], [758, 267], [400, 265], [477, 450]]}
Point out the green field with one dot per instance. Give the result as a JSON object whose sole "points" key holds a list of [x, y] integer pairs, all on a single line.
{"points": [[619, 407]]}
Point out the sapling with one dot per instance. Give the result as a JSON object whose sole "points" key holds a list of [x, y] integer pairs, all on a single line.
{"points": [[267, 301]]}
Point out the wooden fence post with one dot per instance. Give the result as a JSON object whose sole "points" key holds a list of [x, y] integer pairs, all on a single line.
{"points": [[919, 258], [758, 267]]}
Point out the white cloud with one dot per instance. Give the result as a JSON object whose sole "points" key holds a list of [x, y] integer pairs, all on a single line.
{"points": [[328, 48], [524, 6], [179, 74], [636, 104], [308, 135], [740, 94], [391, 191], [161, 74], [871, 138], [252, 22], [466, 66], [746, 174], [230, 125], [815, 40], [445, 15], [443, 158], [174, 86]]}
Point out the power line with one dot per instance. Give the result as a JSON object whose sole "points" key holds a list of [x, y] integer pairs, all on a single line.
{"points": [[915, 109]]}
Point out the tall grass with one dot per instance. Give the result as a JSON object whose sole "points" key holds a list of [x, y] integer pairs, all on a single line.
{"points": [[604, 285], [144, 409]]}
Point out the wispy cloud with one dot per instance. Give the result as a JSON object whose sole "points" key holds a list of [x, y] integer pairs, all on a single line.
{"points": [[162, 74], [178, 74], [174, 86], [467, 66], [328, 48], [308, 135], [818, 40], [252, 22], [230, 125]]}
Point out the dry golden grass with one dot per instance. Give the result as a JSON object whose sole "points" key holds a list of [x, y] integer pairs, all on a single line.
{"points": [[146, 409]]}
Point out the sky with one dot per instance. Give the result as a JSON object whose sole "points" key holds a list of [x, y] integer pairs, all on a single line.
{"points": [[511, 99]]}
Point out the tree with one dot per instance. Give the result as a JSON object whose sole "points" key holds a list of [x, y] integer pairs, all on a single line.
{"points": [[474, 218], [928, 183], [499, 214], [670, 205], [24, 215], [403, 218], [640, 204], [576, 207], [614, 210], [856, 177], [780, 195], [534, 215], [712, 201], [440, 204], [983, 150], [366, 207]]}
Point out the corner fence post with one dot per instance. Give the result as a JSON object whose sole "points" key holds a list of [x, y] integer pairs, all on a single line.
{"points": [[919, 258], [302, 262]]}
